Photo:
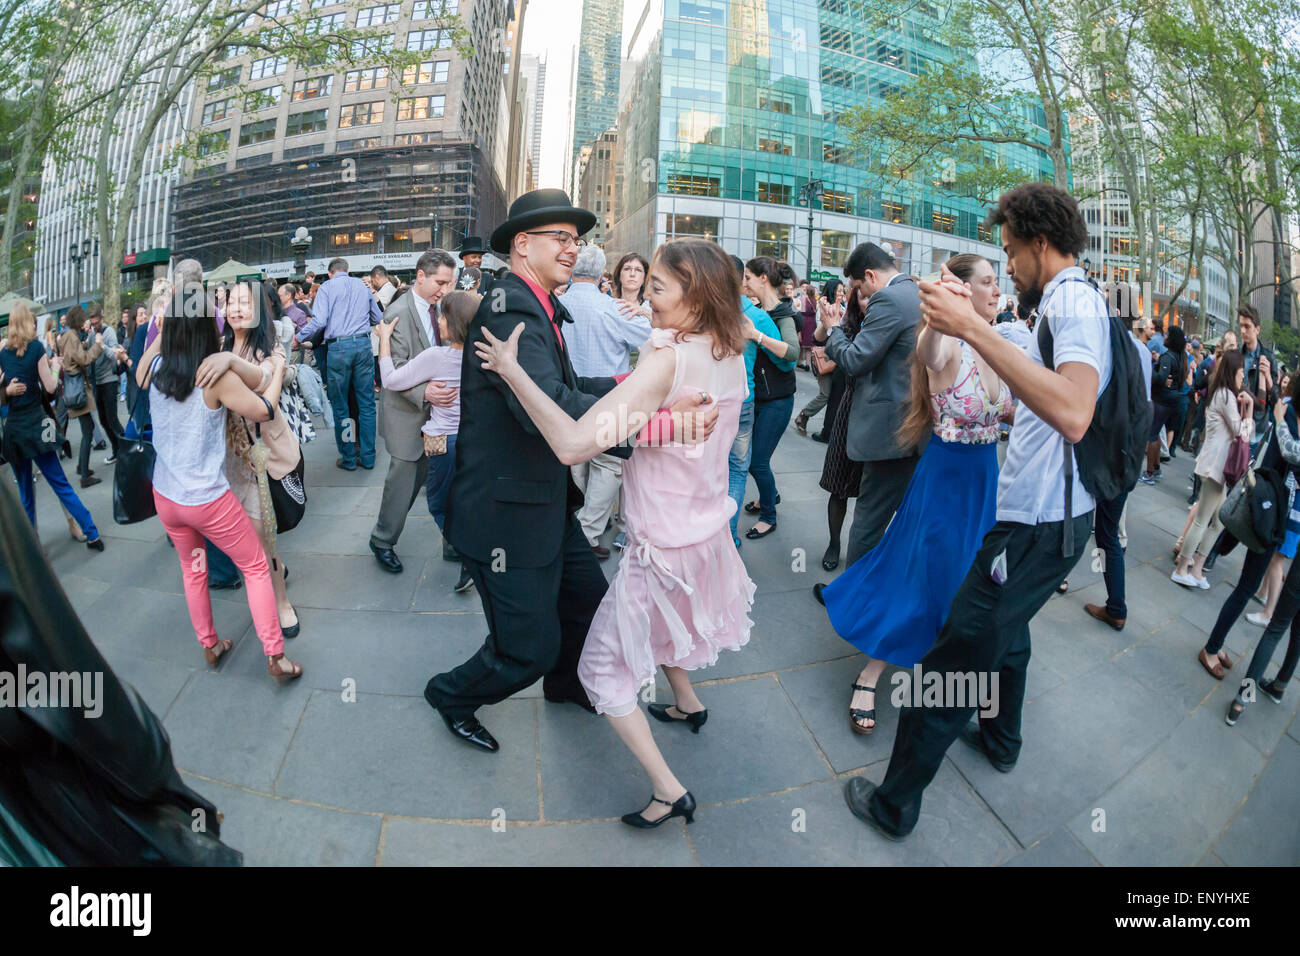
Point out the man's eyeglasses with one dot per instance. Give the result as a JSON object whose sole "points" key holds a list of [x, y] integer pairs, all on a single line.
{"points": [[565, 239]]}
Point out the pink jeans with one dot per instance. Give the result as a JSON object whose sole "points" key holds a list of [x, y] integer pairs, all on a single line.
{"points": [[225, 524]]}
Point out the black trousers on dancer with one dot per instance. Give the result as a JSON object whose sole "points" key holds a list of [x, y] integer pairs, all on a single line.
{"points": [[987, 631], [537, 622]]}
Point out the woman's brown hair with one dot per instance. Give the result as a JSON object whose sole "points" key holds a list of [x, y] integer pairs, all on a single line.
{"points": [[920, 416], [710, 287], [617, 278], [76, 318], [1224, 375], [458, 309]]}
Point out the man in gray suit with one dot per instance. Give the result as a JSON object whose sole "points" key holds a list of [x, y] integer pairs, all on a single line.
{"points": [[878, 362], [402, 414]]}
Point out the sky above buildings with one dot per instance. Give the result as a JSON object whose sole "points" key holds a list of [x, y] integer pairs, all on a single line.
{"points": [[551, 31]]}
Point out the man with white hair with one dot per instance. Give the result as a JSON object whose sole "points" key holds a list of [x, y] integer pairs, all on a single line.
{"points": [[599, 343]]}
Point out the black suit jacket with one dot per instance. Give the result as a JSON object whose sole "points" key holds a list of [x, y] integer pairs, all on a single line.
{"points": [[509, 491]]}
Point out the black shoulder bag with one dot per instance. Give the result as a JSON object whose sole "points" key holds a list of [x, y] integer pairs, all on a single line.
{"points": [[133, 476]]}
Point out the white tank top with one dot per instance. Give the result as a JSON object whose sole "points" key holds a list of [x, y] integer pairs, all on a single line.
{"points": [[190, 442]]}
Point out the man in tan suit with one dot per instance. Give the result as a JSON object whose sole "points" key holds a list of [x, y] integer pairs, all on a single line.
{"points": [[402, 414]]}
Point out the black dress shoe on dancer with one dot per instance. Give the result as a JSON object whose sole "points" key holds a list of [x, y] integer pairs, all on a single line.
{"points": [[695, 720], [472, 732], [973, 737], [817, 593], [387, 559], [857, 794], [684, 806]]}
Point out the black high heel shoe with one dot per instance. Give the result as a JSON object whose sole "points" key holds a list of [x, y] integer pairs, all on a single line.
{"points": [[683, 807], [695, 720]]}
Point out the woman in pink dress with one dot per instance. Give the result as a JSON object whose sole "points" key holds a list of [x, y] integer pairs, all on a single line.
{"points": [[681, 594]]}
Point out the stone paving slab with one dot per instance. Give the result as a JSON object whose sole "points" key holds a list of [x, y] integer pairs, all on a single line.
{"points": [[1265, 831], [1058, 848]]}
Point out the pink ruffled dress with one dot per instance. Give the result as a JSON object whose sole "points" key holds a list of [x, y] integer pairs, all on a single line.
{"points": [[681, 594]]}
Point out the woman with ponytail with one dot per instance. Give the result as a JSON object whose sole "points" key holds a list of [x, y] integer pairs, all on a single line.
{"points": [[891, 602]]}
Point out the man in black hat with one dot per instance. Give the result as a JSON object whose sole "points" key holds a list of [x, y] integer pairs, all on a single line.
{"points": [[510, 512], [471, 257]]}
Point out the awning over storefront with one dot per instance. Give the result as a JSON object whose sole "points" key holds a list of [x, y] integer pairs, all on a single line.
{"points": [[232, 271], [9, 300], [149, 257]]}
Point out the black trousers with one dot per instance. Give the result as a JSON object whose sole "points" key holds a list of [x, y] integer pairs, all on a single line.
{"points": [[1253, 568], [883, 485], [987, 632], [87, 423], [106, 404], [1286, 615], [537, 623], [1106, 531]]}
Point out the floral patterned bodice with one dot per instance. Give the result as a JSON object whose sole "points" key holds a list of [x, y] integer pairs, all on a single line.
{"points": [[965, 412]]}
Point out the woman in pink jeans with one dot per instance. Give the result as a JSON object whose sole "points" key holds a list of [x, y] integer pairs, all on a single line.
{"points": [[190, 489]]}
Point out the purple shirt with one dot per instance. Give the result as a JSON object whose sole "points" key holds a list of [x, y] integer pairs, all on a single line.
{"points": [[343, 307], [297, 316]]}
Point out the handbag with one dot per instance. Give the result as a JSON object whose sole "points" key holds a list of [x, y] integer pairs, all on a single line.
{"points": [[435, 445], [289, 496], [1237, 513], [296, 414], [74, 391], [1238, 461], [820, 363], [133, 476]]}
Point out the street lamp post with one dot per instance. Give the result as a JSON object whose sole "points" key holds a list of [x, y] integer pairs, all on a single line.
{"points": [[807, 193], [79, 253], [300, 243]]}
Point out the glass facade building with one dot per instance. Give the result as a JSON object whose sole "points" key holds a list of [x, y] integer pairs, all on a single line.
{"points": [[598, 67], [729, 107]]}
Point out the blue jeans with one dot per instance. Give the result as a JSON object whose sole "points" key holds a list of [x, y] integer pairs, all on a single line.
{"points": [[351, 364], [221, 570], [738, 462], [1106, 531], [53, 472], [437, 481], [770, 421]]}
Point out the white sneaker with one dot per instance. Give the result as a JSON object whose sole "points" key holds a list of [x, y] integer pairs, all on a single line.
{"points": [[1202, 583], [1186, 580], [1259, 620]]}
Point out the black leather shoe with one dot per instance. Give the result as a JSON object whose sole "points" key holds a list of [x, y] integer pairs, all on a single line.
{"points": [[973, 737], [857, 794], [684, 806], [817, 593], [291, 630], [472, 732], [387, 559], [695, 721], [340, 463], [819, 437], [448, 552], [90, 482], [464, 582], [579, 699], [96, 545]]}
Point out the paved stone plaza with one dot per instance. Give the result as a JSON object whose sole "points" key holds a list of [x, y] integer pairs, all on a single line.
{"points": [[1128, 722]]}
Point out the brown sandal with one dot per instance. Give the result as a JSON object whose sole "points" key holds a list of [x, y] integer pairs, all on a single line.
{"points": [[273, 668], [216, 652], [1215, 669]]}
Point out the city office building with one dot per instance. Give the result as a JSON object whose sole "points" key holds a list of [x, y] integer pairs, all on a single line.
{"points": [[598, 68], [378, 168], [729, 108], [597, 168], [535, 73]]}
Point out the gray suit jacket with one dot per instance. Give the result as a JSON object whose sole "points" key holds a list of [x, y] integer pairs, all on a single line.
{"points": [[402, 414], [879, 363]]}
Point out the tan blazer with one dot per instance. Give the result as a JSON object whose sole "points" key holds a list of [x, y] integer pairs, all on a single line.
{"points": [[403, 414], [283, 450], [76, 358]]}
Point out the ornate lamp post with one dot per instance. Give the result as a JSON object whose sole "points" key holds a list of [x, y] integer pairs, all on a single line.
{"points": [[300, 243], [807, 193], [79, 253]]}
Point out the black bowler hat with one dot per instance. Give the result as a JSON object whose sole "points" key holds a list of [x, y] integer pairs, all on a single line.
{"points": [[472, 245], [538, 208]]}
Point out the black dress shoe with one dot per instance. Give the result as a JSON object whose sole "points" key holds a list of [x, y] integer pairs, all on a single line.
{"points": [[695, 721], [387, 559], [817, 593], [857, 794], [464, 582], [96, 545], [472, 732], [448, 552], [684, 806], [973, 737], [90, 482], [819, 437]]}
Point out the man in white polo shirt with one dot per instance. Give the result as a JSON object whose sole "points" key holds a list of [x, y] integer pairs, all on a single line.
{"points": [[1034, 543]]}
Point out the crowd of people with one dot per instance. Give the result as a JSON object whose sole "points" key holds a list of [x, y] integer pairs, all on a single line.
{"points": [[557, 401]]}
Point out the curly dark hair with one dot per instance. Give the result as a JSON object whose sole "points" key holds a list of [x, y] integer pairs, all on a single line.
{"points": [[1039, 209]]}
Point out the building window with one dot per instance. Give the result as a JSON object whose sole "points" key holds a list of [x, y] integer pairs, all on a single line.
{"points": [[219, 81], [278, 9], [775, 102], [270, 66], [215, 141], [428, 9], [891, 211], [833, 201], [984, 232], [416, 139], [261, 159], [258, 132], [835, 248], [772, 239], [361, 114], [779, 143], [374, 16], [427, 72], [313, 88], [687, 185], [706, 227], [317, 4], [420, 107], [943, 221], [346, 145], [312, 121], [778, 193], [428, 40], [340, 239], [355, 81], [329, 24], [1119, 218], [300, 152], [216, 111], [264, 98], [836, 153], [372, 46]]}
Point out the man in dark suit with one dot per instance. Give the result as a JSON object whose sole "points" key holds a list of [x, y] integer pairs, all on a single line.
{"points": [[879, 362], [471, 257], [510, 512]]}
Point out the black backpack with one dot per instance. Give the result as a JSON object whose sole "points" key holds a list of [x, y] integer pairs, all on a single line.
{"points": [[1112, 451]]}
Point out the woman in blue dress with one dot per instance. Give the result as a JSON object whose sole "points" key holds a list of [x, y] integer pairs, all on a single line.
{"points": [[891, 603]]}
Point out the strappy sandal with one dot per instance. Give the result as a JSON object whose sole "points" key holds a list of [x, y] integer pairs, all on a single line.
{"points": [[1216, 669], [273, 668], [856, 714], [217, 651]]}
